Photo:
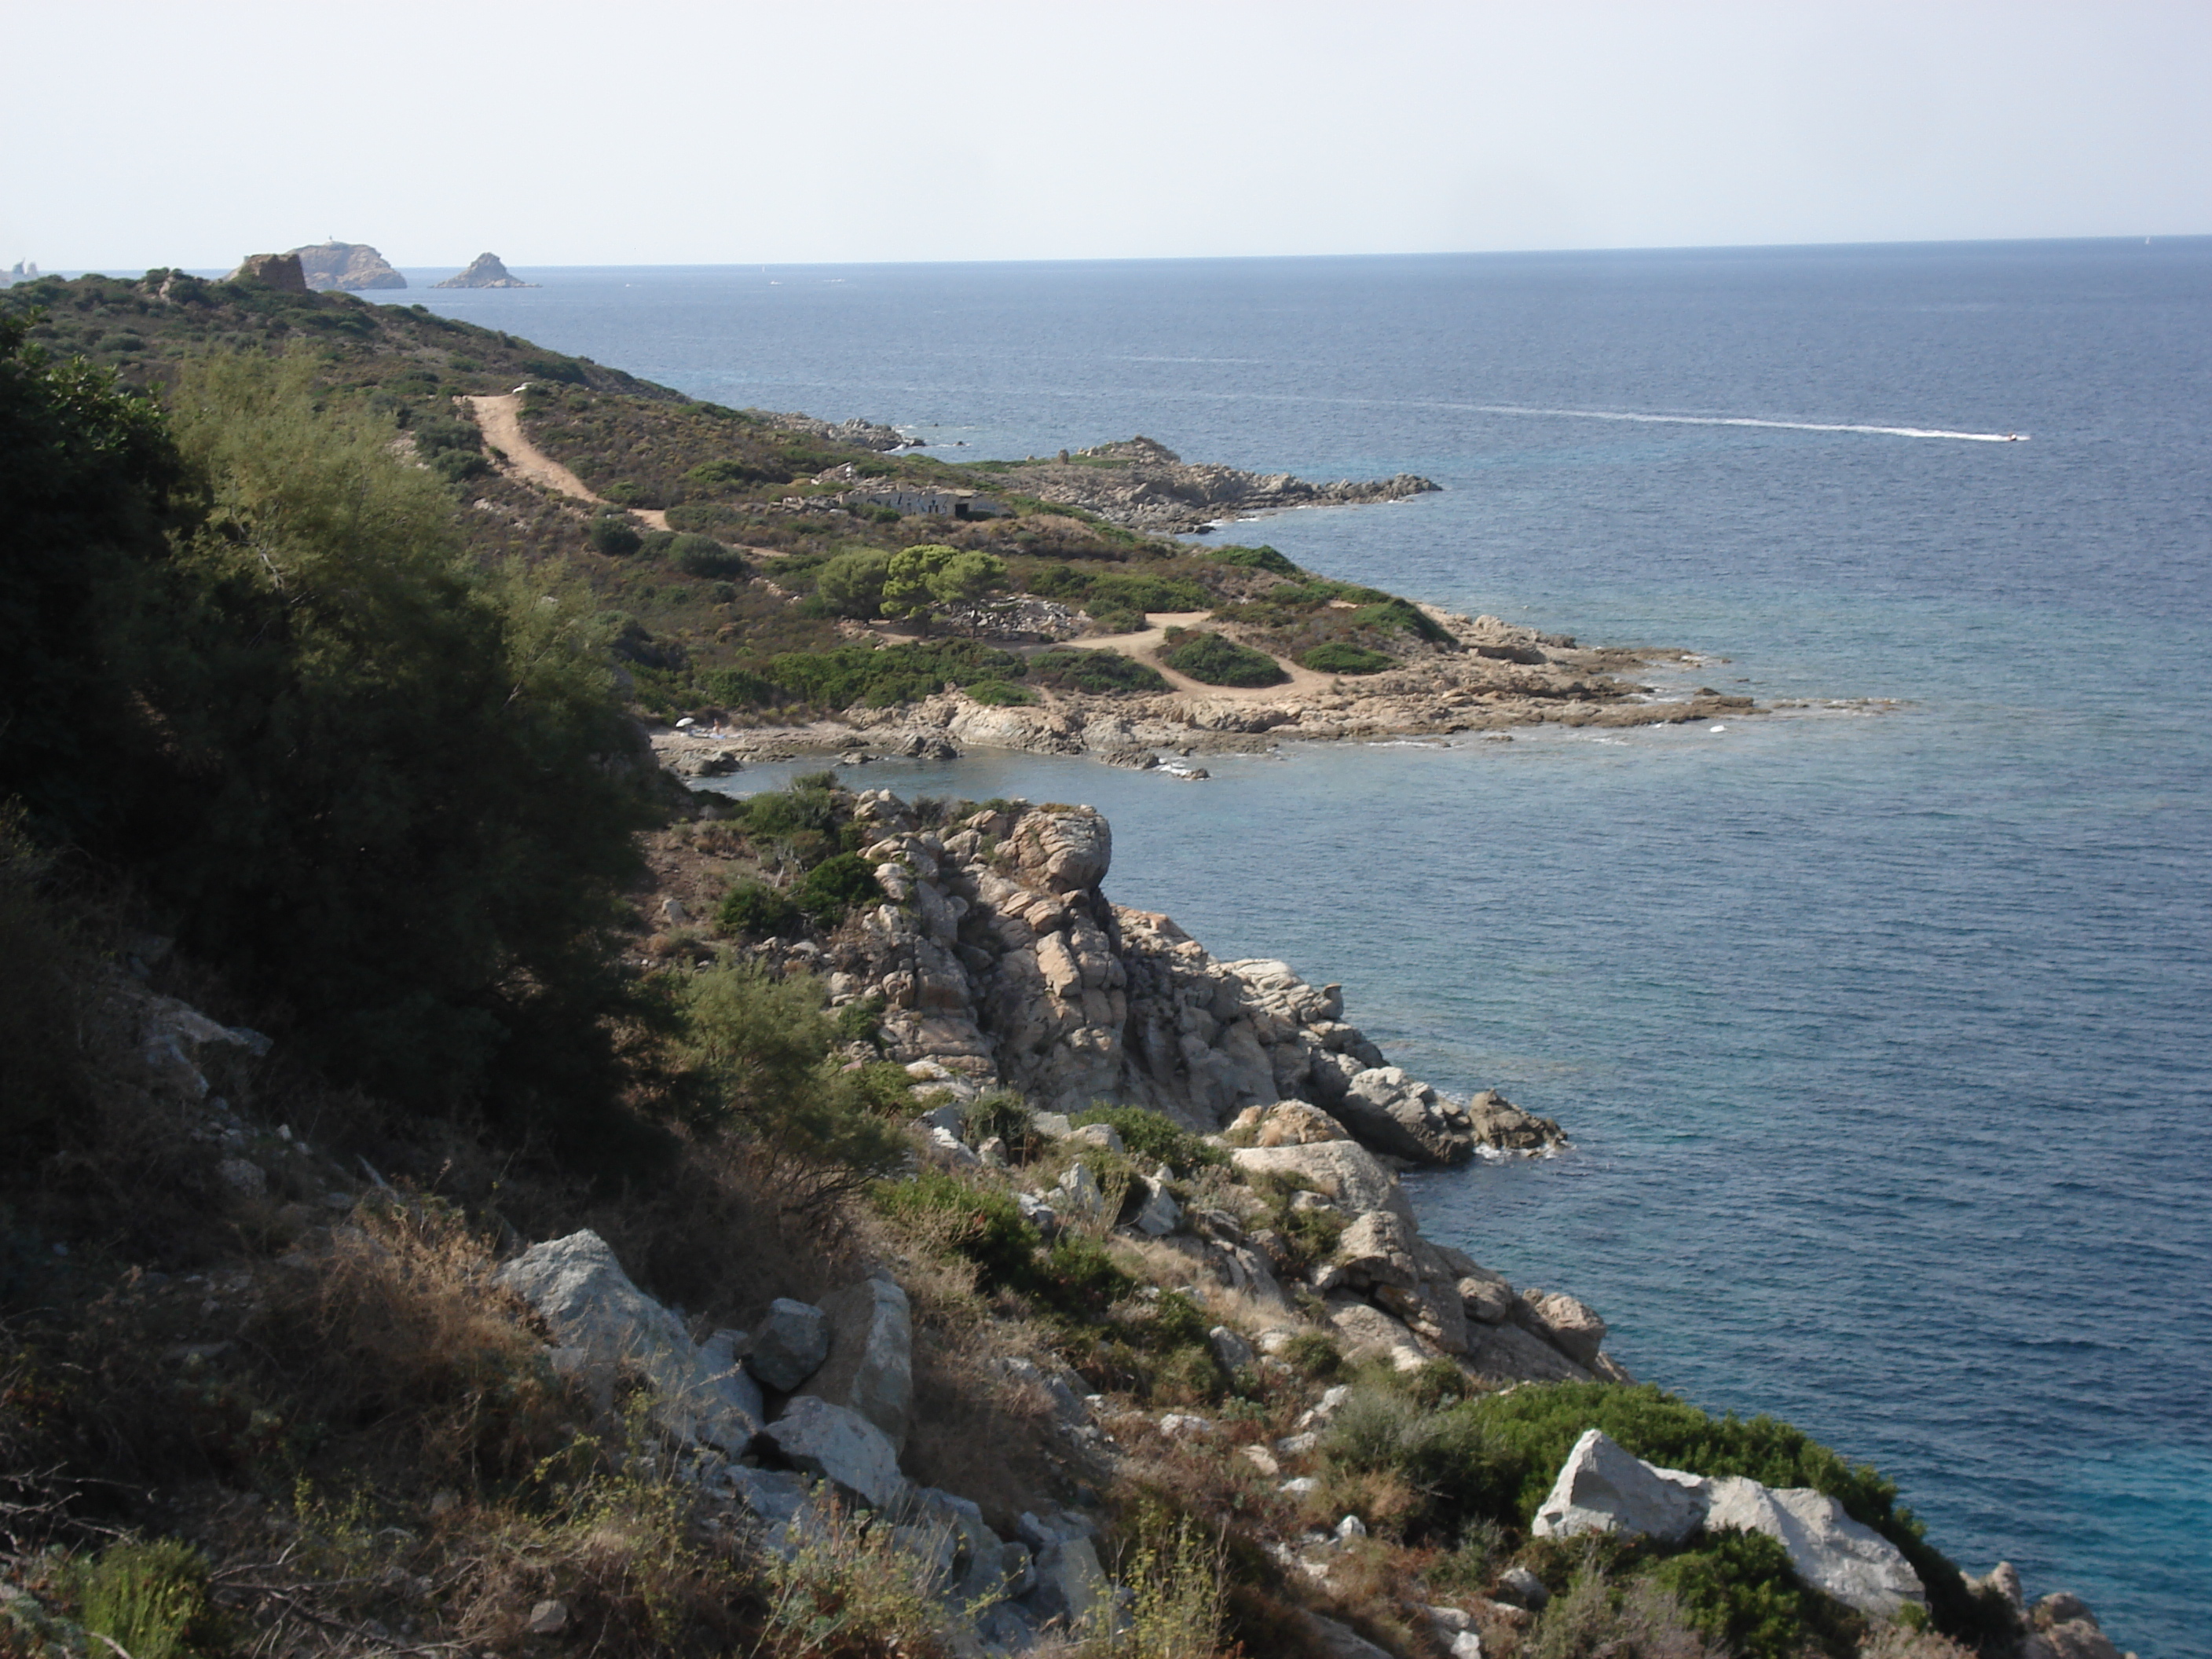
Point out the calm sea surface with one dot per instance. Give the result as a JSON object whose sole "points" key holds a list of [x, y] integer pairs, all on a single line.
{"points": [[1882, 1037]]}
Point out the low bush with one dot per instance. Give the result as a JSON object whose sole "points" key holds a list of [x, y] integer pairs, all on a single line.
{"points": [[1446, 1466], [1254, 558], [1211, 660], [1152, 1137], [755, 908], [616, 535], [1101, 673], [1599, 1620], [149, 1599], [702, 555], [862, 674], [1338, 657], [1740, 1590], [835, 886], [998, 694]]}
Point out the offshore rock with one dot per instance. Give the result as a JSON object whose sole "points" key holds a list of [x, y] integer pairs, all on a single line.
{"points": [[484, 271], [348, 266], [1496, 1123]]}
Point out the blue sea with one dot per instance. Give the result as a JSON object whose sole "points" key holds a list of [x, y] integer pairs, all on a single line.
{"points": [[1881, 1028]]}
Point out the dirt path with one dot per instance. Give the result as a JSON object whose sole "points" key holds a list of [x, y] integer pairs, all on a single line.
{"points": [[500, 419], [1145, 648]]}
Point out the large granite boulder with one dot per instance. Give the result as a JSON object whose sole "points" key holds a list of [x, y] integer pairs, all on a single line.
{"points": [[869, 1369], [1342, 1171], [792, 1342], [841, 1447], [1831, 1551], [1571, 1325], [1603, 1487], [604, 1327], [1402, 1115]]}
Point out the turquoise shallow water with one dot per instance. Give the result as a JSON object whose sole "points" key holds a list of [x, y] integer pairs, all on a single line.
{"points": [[1882, 1037]]}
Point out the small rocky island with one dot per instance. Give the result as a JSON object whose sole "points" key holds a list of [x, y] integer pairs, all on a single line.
{"points": [[485, 270], [348, 267]]}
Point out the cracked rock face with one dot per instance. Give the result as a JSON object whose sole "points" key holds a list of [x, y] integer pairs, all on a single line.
{"points": [[1001, 960]]}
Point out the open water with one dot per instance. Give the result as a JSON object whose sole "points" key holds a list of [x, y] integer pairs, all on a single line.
{"points": [[1882, 1037]]}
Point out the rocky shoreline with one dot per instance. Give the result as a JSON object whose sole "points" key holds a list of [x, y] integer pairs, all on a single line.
{"points": [[1145, 486], [1494, 677]]}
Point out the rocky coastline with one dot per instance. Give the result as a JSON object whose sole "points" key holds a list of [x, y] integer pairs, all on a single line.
{"points": [[999, 967], [1145, 486], [1492, 676]]}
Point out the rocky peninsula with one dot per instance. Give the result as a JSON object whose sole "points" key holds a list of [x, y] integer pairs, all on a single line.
{"points": [[1148, 487]]}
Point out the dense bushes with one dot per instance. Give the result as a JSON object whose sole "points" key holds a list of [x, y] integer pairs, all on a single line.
{"points": [[863, 674], [1211, 660], [1340, 657], [1153, 1138], [1101, 673], [366, 780], [616, 535], [1254, 558]]}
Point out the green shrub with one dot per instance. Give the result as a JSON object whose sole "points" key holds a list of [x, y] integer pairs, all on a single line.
{"points": [[861, 1021], [836, 885], [1315, 1355], [1597, 1620], [756, 1048], [1079, 1279], [852, 584], [734, 688], [754, 907], [1154, 1139], [1740, 1590], [862, 674], [615, 535], [1337, 657], [1397, 616], [1211, 659], [149, 1599], [977, 1220], [933, 574], [702, 555], [1098, 673], [1254, 558], [1006, 1115], [1447, 1461], [998, 694]]}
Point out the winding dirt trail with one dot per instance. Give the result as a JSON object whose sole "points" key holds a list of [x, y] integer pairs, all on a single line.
{"points": [[1146, 648], [500, 419]]}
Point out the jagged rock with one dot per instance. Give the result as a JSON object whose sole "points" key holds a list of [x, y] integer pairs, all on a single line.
{"points": [[1157, 1213], [1077, 1191], [1400, 1114], [1497, 1121], [840, 1445], [1571, 1326], [278, 270], [484, 271], [350, 266], [1831, 1551], [777, 1498], [1069, 1583], [1341, 1641], [602, 1324], [792, 1342], [2073, 1639], [1230, 1350], [1368, 1330], [1345, 1173], [1603, 1488], [1103, 1136], [871, 1364], [1525, 1588], [1287, 1123], [1510, 1352]]}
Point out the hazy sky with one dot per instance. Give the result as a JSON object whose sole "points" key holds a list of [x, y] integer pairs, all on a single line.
{"points": [[559, 132]]}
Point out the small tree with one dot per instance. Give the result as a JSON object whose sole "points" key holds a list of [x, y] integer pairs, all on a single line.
{"points": [[852, 584], [932, 573]]}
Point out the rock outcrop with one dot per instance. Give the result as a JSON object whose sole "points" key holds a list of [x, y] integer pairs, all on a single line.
{"points": [[485, 270], [1602, 1488], [280, 271], [1147, 486], [348, 266], [999, 957]]}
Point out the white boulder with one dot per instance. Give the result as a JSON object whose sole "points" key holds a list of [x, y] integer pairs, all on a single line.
{"points": [[1831, 1551], [841, 1446], [1602, 1487]]}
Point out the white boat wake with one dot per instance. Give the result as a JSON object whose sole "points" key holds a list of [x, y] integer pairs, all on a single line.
{"points": [[1744, 419]]}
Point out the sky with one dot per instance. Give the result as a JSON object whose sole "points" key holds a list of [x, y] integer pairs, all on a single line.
{"points": [[555, 132]]}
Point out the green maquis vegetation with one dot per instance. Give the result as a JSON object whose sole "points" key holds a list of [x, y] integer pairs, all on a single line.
{"points": [[254, 667], [1214, 659]]}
